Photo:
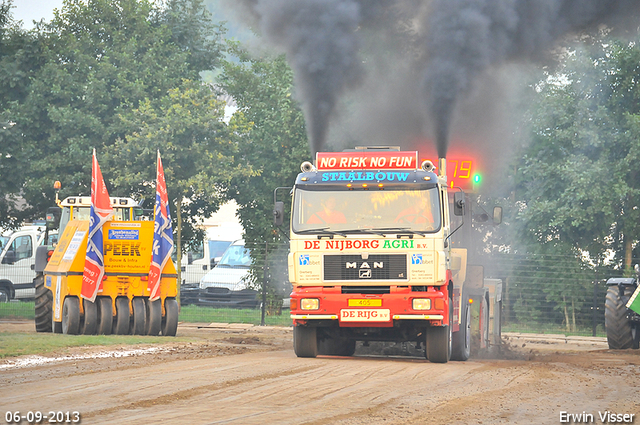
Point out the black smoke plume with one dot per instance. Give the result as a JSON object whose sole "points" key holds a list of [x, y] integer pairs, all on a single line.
{"points": [[448, 44]]}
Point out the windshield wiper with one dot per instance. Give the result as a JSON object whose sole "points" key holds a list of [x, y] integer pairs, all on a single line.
{"points": [[322, 229], [401, 230]]}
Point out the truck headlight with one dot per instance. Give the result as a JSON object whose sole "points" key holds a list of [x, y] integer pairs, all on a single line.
{"points": [[309, 304], [421, 303]]}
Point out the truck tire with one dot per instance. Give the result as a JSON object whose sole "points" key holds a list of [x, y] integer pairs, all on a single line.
{"points": [[438, 348], [5, 294], [461, 340], [105, 316], [620, 331], [122, 319], [305, 341], [44, 305], [154, 317], [90, 322], [71, 316], [139, 316], [170, 319]]}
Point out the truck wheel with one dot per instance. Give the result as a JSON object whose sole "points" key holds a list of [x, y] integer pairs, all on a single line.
{"points": [[461, 340], [170, 319], [139, 316], [44, 305], [620, 331], [154, 317], [105, 316], [90, 324], [5, 294], [71, 316], [122, 316], [438, 344], [305, 341]]}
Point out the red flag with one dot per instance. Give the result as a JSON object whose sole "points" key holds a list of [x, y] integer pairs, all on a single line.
{"points": [[101, 212], [162, 234]]}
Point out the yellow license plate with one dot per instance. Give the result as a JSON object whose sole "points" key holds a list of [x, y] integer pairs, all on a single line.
{"points": [[365, 303]]}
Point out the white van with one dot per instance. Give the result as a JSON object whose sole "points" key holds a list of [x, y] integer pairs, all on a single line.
{"points": [[226, 285], [17, 262]]}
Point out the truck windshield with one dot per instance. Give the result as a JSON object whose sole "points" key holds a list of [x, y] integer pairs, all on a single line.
{"points": [[383, 211]]}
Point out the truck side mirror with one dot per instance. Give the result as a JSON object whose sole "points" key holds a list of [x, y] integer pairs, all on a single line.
{"points": [[53, 217], [278, 213], [497, 215], [458, 203]]}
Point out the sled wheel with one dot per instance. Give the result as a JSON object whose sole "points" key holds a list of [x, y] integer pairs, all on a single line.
{"points": [[122, 316], [154, 317], [44, 306], [305, 341], [170, 319], [105, 316], [90, 323], [71, 316], [139, 316]]}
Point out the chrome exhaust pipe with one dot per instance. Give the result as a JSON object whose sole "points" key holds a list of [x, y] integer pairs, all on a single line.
{"points": [[442, 167]]}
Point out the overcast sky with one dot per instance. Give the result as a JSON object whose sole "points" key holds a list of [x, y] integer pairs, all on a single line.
{"points": [[30, 10]]}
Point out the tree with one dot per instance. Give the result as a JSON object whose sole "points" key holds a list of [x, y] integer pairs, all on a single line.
{"points": [[102, 60]]}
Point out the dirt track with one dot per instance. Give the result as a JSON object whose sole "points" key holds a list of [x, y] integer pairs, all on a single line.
{"points": [[250, 375]]}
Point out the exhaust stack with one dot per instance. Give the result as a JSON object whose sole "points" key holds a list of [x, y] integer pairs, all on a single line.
{"points": [[442, 167]]}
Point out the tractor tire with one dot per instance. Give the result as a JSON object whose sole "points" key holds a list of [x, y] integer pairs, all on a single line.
{"points": [[90, 323], [154, 317], [621, 333], [170, 319], [461, 340], [71, 316], [139, 316], [44, 305], [305, 341], [122, 319], [105, 316]]}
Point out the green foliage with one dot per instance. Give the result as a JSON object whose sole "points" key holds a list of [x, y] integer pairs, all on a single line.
{"points": [[276, 145], [577, 183]]}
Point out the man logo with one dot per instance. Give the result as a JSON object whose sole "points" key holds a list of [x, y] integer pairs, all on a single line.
{"points": [[365, 273], [416, 258], [304, 260]]}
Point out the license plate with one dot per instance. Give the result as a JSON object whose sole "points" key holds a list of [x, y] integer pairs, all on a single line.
{"points": [[365, 315], [365, 303]]}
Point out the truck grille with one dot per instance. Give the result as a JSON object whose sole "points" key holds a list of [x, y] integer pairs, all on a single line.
{"points": [[375, 267]]}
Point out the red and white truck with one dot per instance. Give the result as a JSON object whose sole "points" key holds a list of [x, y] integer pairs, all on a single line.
{"points": [[372, 257]]}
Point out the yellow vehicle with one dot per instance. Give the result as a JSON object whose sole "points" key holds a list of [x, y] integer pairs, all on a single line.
{"points": [[122, 305]]}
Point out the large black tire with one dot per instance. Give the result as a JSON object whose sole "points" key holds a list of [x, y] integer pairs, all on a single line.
{"points": [[105, 316], [336, 347], [44, 305], [621, 333], [154, 317], [122, 319], [90, 322], [170, 319], [461, 340], [139, 316], [71, 316], [305, 341], [438, 347]]}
